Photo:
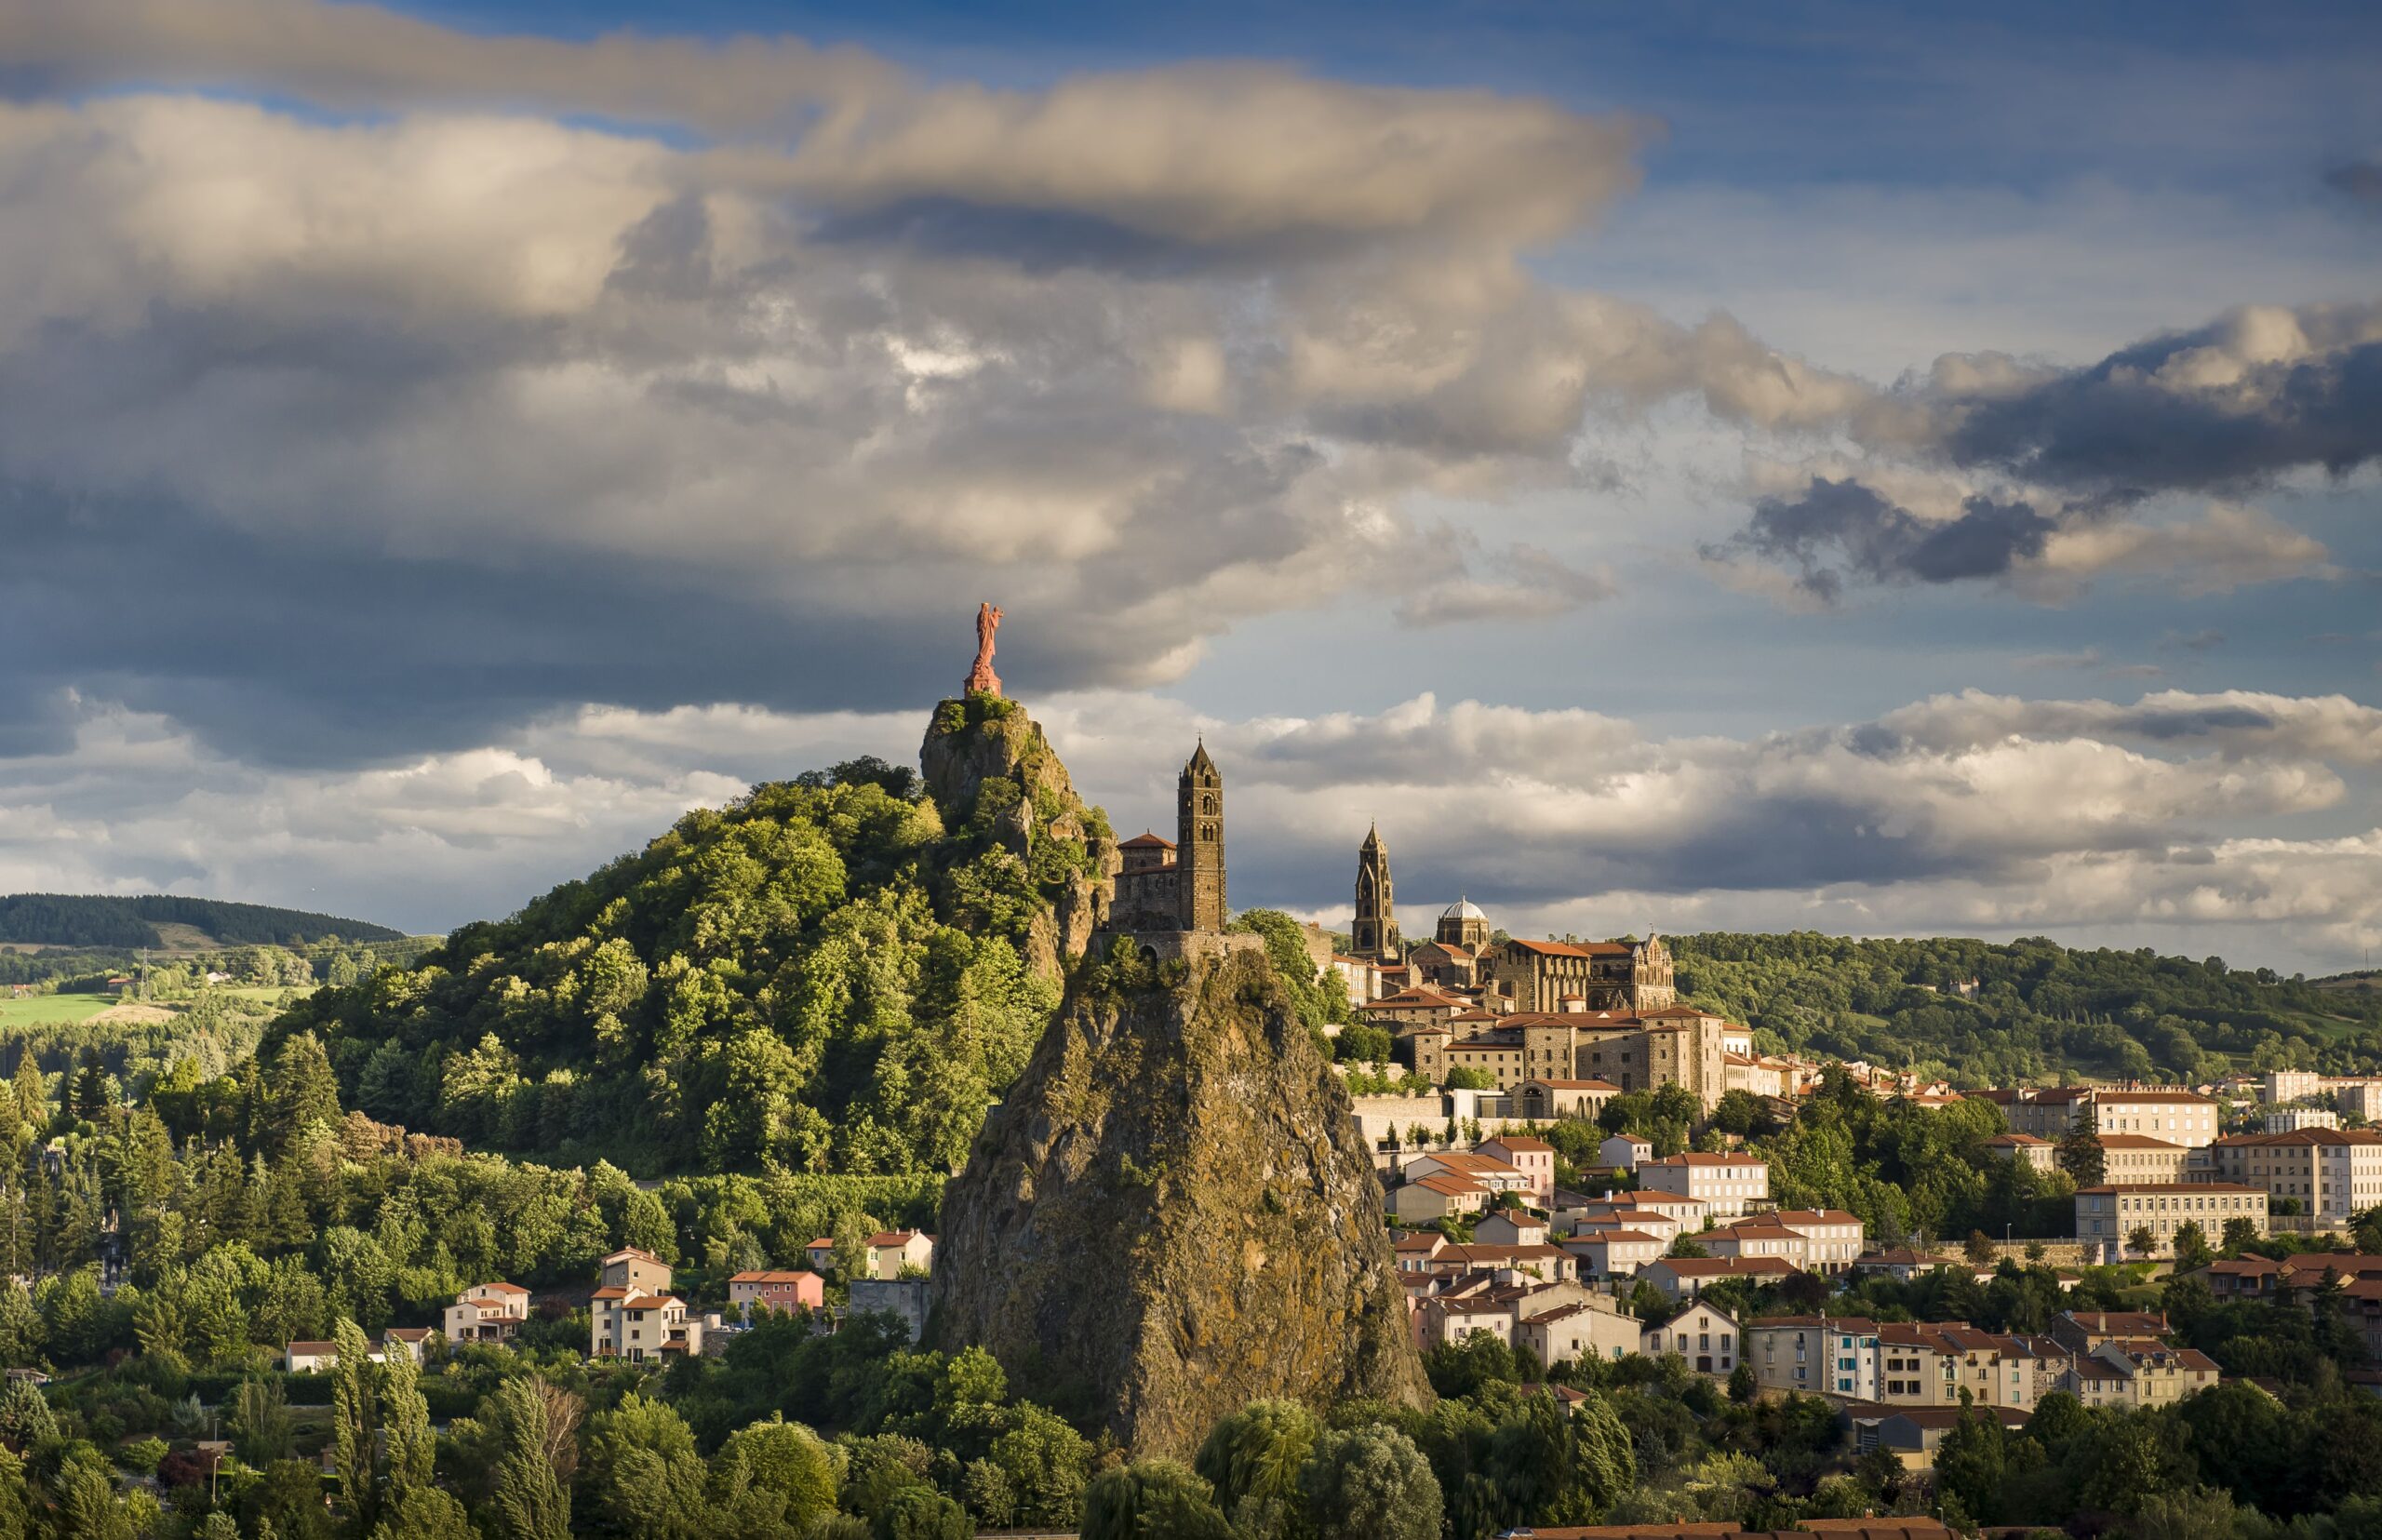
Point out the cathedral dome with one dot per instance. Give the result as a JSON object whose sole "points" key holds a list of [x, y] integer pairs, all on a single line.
{"points": [[1464, 908]]}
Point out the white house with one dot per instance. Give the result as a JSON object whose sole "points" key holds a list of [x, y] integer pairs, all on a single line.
{"points": [[1614, 1252], [487, 1312], [1622, 1151]]}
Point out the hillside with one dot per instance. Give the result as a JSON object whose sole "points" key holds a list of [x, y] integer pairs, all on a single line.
{"points": [[835, 973], [2041, 1011], [166, 922]]}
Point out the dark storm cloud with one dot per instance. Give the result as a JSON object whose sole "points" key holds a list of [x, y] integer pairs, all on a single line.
{"points": [[2228, 406], [1837, 528]]}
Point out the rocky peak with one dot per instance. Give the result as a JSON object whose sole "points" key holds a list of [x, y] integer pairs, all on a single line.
{"points": [[986, 746], [1170, 1213]]}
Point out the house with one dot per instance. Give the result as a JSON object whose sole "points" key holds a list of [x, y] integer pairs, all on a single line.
{"points": [[1815, 1355], [633, 1316], [2037, 1152], [2245, 1277], [1590, 1330], [2083, 1330], [1511, 1227], [1441, 1196], [1615, 1253], [412, 1341], [1624, 1151], [1662, 1226], [1761, 1236], [2108, 1216], [309, 1358], [1832, 1239], [1533, 1157], [1687, 1277], [1704, 1334], [1408, 1009], [634, 1269], [1912, 1433], [1412, 1251], [1727, 1185], [1899, 1263], [821, 1254], [2138, 1374], [1551, 1264], [782, 1291], [1497, 1175], [1688, 1214], [487, 1312], [891, 1251]]}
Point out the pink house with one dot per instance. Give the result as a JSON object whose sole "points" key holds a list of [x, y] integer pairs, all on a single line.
{"points": [[1533, 1157], [782, 1291]]}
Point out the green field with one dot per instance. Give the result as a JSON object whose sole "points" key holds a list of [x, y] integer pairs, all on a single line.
{"points": [[51, 1010]]}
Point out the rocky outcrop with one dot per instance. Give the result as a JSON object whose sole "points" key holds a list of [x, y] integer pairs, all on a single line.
{"points": [[1171, 1214], [986, 740]]}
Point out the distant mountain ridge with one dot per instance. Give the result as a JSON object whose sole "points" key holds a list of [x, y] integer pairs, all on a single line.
{"points": [[95, 920]]}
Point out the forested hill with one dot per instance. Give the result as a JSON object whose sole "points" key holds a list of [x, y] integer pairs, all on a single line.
{"points": [[2041, 1011], [835, 973], [96, 922]]}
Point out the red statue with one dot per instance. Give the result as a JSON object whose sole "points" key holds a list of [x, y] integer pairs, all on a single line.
{"points": [[988, 620]]}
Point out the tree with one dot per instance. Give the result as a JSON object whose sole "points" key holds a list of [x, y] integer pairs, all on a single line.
{"points": [[531, 1502], [300, 1090], [1151, 1500], [1743, 1386], [1370, 1484], [851, 1237], [353, 1421], [2081, 1156], [260, 1422], [1252, 1460], [2238, 1234], [1465, 1078], [2141, 1241], [1979, 1249], [2189, 1513], [789, 1460], [2191, 1247], [921, 1513], [1742, 1113], [643, 1472], [1043, 1462]]}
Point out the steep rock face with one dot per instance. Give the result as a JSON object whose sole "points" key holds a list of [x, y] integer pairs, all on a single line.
{"points": [[1171, 1214], [975, 743]]}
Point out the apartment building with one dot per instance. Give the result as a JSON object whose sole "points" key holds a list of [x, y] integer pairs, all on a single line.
{"points": [[2183, 1117], [1817, 1240], [2140, 1157], [1727, 1185], [2106, 1216], [1815, 1355], [2327, 1174], [2037, 1152], [632, 1315], [2138, 1374], [1704, 1334]]}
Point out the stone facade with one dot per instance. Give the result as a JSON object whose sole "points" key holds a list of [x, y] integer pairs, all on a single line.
{"points": [[1375, 933], [1199, 845], [1600, 975], [1677, 1045]]}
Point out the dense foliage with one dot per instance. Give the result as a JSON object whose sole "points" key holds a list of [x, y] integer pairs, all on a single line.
{"points": [[80, 920], [2040, 1013], [820, 977]]}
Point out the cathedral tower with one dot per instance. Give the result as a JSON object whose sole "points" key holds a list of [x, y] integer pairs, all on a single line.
{"points": [[1375, 933], [1199, 845]]}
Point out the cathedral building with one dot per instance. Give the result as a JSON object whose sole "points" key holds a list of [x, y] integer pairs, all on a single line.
{"points": [[1375, 932], [1633, 976]]}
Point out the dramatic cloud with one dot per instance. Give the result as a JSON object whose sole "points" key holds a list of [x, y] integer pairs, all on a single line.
{"points": [[1969, 812], [2360, 179]]}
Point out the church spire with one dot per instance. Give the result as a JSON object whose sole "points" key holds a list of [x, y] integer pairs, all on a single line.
{"points": [[1374, 933]]}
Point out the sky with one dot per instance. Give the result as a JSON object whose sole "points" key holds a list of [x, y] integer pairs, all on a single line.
{"points": [[1827, 466]]}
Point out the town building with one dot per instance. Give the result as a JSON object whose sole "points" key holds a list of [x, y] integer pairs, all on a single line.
{"points": [[2292, 1119], [1815, 1355], [632, 1315], [1547, 1100], [1674, 1045], [1533, 1157], [2140, 1158], [1687, 1277], [1704, 1334], [1727, 1185], [2290, 1085], [2136, 1373], [776, 1290], [1615, 1253], [1425, 1200], [2037, 1152], [2323, 1174], [487, 1312], [1595, 1328], [2183, 1117], [1625, 1151], [1813, 1241], [2108, 1216], [1626, 977], [890, 1251]]}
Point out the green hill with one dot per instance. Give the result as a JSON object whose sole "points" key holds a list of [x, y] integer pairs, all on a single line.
{"points": [[2040, 1011], [835, 973], [159, 920]]}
